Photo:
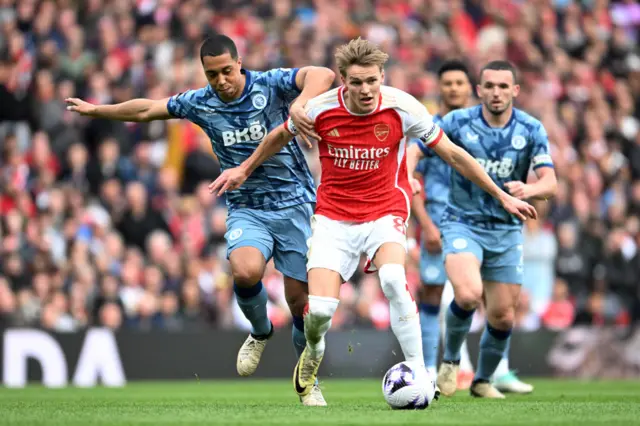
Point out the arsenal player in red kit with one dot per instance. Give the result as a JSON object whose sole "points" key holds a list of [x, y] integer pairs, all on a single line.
{"points": [[363, 202]]}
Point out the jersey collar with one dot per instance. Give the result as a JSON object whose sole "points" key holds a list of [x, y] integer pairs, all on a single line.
{"points": [[247, 81]]}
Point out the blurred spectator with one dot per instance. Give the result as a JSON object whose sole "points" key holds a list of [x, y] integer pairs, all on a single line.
{"points": [[526, 319], [539, 253], [572, 263], [560, 311], [110, 223]]}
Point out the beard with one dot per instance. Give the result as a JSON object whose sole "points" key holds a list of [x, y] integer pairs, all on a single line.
{"points": [[497, 110]]}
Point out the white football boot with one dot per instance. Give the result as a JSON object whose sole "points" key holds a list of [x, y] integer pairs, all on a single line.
{"points": [[510, 383], [485, 390], [448, 378], [250, 353], [314, 398]]}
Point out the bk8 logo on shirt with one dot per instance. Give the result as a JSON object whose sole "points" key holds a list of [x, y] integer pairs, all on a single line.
{"points": [[254, 133], [502, 168]]}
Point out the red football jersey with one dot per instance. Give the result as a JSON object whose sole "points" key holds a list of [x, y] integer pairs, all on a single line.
{"points": [[363, 161]]}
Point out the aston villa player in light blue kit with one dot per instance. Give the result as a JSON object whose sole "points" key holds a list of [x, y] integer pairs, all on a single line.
{"points": [[455, 93], [269, 217], [482, 243]]}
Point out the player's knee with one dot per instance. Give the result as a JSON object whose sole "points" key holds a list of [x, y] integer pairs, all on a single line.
{"points": [[296, 293], [297, 303], [247, 275], [468, 298], [431, 294], [501, 317], [393, 281]]}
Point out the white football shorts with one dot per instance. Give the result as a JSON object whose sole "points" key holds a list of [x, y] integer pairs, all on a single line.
{"points": [[338, 245]]}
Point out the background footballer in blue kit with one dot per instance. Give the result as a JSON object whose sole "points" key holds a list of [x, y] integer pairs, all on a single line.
{"points": [[507, 143], [437, 175], [256, 216], [507, 154]]}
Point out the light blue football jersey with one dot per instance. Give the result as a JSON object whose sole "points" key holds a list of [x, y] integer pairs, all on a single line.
{"points": [[437, 177], [507, 154], [236, 128]]}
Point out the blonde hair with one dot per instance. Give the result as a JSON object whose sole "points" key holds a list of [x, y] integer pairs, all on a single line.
{"points": [[359, 52]]}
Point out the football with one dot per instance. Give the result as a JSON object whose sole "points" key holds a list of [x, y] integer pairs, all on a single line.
{"points": [[408, 387]]}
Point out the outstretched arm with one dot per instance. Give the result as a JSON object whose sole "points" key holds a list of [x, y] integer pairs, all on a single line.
{"points": [[233, 178], [138, 110]]}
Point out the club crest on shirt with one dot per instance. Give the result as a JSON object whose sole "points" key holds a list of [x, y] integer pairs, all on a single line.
{"points": [[381, 131], [259, 101], [518, 142]]}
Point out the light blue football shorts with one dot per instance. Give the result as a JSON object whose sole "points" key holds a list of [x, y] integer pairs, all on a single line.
{"points": [[432, 270], [282, 234], [498, 250]]}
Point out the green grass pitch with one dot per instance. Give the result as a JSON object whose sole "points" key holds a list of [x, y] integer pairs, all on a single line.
{"points": [[351, 402]]}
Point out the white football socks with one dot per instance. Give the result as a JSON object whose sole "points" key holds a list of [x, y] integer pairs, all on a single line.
{"points": [[317, 322], [405, 321]]}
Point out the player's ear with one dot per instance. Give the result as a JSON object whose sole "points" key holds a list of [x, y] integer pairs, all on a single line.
{"points": [[343, 80], [239, 61], [479, 91], [516, 90], [382, 76]]}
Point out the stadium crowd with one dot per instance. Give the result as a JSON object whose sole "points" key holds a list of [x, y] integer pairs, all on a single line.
{"points": [[109, 223]]}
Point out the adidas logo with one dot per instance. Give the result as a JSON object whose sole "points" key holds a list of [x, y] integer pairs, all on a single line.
{"points": [[334, 132]]}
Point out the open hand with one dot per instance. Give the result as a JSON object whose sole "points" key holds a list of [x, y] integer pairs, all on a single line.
{"points": [[228, 180], [80, 106], [518, 189], [520, 209], [304, 125], [432, 240]]}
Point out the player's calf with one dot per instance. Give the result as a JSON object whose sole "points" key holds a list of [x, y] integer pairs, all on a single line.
{"points": [[496, 335], [247, 267], [296, 294], [463, 270], [429, 296], [317, 322], [253, 303], [403, 311]]}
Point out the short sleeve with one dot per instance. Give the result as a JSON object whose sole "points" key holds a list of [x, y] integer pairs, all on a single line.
{"points": [[541, 154], [183, 104], [284, 79], [417, 123]]}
